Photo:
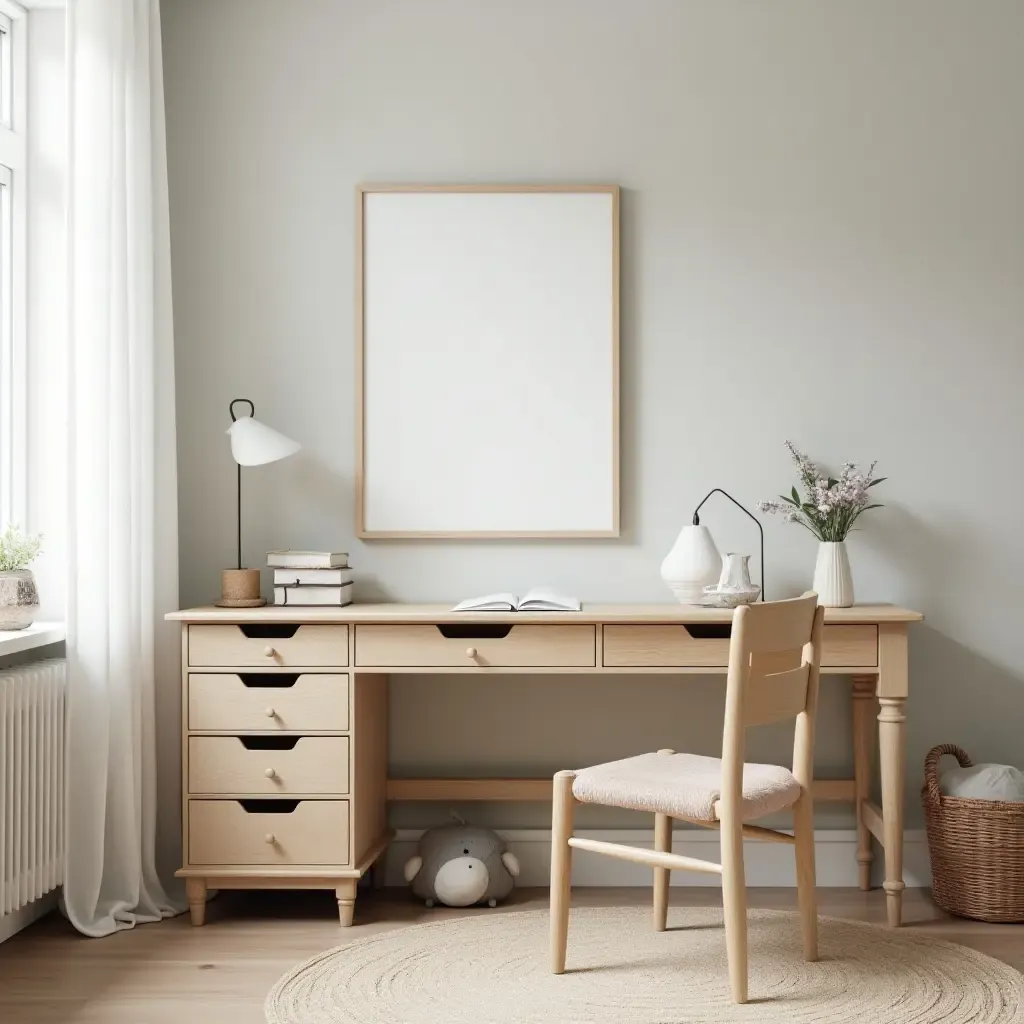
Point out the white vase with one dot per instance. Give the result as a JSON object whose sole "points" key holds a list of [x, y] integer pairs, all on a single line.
{"points": [[19, 601], [693, 564], [832, 580]]}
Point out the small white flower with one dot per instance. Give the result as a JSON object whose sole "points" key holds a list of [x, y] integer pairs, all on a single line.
{"points": [[824, 509]]}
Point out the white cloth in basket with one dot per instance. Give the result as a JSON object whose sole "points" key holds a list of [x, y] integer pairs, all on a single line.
{"points": [[1000, 782]]}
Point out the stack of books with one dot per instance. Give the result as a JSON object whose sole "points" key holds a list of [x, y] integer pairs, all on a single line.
{"points": [[320, 578]]}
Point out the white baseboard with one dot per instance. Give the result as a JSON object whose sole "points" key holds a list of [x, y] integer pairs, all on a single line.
{"points": [[18, 920], [767, 864]]}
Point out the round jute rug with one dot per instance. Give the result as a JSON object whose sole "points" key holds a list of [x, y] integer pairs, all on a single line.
{"points": [[492, 968]]}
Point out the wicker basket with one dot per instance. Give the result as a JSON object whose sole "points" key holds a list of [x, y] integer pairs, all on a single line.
{"points": [[976, 846]]}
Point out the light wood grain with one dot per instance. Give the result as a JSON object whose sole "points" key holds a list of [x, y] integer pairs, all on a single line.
{"points": [[223, 764], [891, 742], [871, 815], [776, 696], [221, 702], [369, 763], [849, 646], [649, 858], [647, 646], [537, 646], [635, 613], [311, 646], [167, 973], [222, 832], [863, 720], [561, 866]]}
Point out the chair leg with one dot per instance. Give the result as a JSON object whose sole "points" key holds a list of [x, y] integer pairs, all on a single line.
{"points": [[561, 867], [803, 830], [663, 843], [734, 902]]}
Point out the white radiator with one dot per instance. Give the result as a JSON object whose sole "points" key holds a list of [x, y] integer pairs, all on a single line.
{"points": [[31, 782]]}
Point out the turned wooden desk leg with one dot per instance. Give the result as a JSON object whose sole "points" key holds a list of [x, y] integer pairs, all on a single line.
{"points": [[195, 893], [893, 689], [863, 747], [891, 743], [346, 896]]}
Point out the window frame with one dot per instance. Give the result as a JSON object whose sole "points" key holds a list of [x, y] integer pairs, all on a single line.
{"points": [[14, 249]]}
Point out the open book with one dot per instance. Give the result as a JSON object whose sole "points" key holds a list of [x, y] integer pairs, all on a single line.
{"points": [[539, 599]]}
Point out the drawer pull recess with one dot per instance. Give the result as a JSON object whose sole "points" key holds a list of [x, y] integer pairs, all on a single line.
{"points": [[709, 630], [269, 631], [475, 631], [269, 806], [269, 742], [259, 680]]}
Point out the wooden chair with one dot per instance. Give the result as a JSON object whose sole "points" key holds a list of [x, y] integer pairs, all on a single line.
{"points": [[774, 658]]}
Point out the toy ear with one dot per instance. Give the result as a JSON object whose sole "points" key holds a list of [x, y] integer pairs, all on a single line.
{"points": [[412, 867], [511, 861]]}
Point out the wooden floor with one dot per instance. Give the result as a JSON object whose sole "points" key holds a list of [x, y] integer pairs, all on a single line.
{"points": [[171, 973]]}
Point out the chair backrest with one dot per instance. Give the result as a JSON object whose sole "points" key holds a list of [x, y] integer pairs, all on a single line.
{"points": [[774, 663]]}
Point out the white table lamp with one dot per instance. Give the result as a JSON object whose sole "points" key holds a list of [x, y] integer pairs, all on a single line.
{"points": [[252, 444]]}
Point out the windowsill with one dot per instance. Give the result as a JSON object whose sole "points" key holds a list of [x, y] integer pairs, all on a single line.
{"points": [[39, 634]]}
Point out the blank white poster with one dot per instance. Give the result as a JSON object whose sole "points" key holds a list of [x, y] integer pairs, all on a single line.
{"points": [[490, 363]]}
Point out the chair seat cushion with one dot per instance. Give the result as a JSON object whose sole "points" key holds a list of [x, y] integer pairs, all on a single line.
{"points": [[683, 785]]}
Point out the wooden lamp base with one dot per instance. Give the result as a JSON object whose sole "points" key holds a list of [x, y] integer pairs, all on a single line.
{"points": [[240, 588]]}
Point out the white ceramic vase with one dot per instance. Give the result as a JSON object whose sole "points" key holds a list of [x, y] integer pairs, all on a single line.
{"points": [[832, 580], [19, 601], [693, 564]]}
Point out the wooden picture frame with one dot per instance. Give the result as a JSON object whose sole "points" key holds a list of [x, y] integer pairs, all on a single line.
{"points": [[548, 303]]}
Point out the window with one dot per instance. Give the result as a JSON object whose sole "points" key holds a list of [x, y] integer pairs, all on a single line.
{"points": [[13, 253]]}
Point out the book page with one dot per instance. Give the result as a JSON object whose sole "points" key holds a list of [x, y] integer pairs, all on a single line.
{"points": [[488, 603], [546, 599]]}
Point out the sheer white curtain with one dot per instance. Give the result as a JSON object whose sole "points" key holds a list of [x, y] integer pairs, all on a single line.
{"points": [[122, 522]]}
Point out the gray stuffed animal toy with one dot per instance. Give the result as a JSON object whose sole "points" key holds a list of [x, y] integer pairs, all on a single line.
{"points": [[460, 865]]}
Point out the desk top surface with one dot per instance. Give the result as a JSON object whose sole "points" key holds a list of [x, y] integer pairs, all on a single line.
{"points": [[591, 613]]}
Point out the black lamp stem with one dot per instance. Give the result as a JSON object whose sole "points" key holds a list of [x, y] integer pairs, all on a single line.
{"points": [[239, 468], [252, 412], [757, 523]]}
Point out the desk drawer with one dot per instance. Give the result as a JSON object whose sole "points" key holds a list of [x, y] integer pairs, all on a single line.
{"points": [[268, 645], [476, 645], [853, 646], [267, 702], [272, 832], [670, 645], [663, 646], [254, 766]]}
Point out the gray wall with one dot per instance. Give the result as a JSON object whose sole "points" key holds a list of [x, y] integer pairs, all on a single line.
{"points": [[823, 239]]}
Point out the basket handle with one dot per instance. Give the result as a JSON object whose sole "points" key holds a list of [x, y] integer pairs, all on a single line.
{"points": [[931, 766]]}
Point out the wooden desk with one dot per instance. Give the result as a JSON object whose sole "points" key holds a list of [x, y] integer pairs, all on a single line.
{"points": [[306, 689]]}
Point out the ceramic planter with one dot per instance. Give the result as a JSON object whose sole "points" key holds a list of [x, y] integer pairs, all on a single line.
{"points": [[19, 601]]}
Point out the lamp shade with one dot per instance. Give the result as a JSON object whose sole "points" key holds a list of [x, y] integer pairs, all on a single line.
{"points": [[255, 444]]}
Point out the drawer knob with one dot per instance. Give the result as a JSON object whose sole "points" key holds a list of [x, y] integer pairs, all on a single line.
{"points": [[269, 651], [269, 838], [270, 773], [270, 712], [470, 652]]}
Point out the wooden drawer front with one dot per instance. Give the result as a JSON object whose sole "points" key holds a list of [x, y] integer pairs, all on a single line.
{"points": [[855, 646], [225, 764], [667, 645], [268, 702], [670, 645], [476, 646], [268, 646], [226, 832]]}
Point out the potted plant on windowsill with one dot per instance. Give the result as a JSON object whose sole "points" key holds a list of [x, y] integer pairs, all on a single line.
{"points": [[829, 508], [19, 601]]}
